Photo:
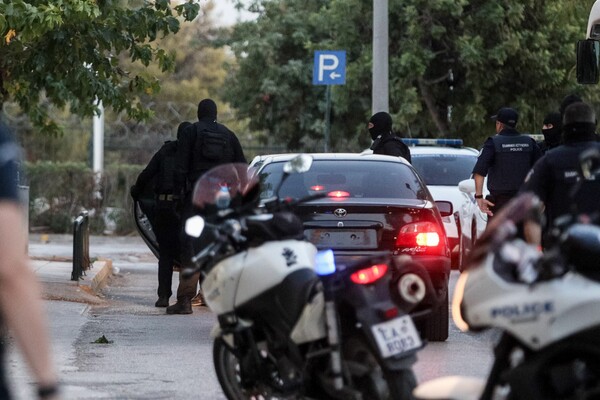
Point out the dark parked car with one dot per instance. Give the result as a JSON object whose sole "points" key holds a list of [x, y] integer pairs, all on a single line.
{"points": [[374, 203]]}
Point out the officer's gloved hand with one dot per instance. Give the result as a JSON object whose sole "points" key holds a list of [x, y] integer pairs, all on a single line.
{"points": [[134, 192]]}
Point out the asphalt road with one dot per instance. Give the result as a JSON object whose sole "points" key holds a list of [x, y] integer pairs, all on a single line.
{"points": [[151, 355]]}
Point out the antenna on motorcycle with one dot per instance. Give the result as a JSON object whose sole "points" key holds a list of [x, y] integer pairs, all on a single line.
{"points": [[297, 165]]}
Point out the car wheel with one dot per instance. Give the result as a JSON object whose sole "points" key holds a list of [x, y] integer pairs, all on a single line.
{"points": [[437, 324]]}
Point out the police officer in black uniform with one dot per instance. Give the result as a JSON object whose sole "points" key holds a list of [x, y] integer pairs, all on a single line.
{"points": [[384, 140], [506, 158], [166, 221], [553, 176], [204, 145]]}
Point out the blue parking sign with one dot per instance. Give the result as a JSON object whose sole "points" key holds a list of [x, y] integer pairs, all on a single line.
{"points": [[329, 67]]}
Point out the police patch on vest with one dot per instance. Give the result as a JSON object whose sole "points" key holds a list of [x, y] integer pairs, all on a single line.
{"points": [[516, 146]]}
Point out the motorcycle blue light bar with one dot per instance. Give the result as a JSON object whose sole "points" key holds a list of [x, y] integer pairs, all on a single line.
{"points": [[433, 142], [324, 262]]}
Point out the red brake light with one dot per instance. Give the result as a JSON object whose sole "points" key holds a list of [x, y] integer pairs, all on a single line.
{"points": [[338, 194], [317, 188], [420, 234], [369, 275]]}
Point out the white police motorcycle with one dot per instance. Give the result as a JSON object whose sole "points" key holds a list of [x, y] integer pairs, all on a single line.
{"points": [[291, 324], [547, 306]]}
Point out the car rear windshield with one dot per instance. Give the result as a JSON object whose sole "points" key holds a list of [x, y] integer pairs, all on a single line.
{"points": [[443, 169], [358, 179]]}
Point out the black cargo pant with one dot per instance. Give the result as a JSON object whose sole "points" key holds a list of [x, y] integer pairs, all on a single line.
{"points": [[167, 227], [187, 287], [500, 199]]}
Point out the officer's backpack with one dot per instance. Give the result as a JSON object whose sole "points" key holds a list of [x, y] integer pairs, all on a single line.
{"points": [[212, 147]]}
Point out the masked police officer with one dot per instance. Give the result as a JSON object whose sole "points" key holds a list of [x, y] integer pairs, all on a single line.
{"points": [[506, 158], [555, 174], [385, 141], [204, 145], [166, 222]]}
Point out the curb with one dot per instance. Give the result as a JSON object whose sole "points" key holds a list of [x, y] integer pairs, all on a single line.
{"points": [[99, 279], [54, 275]]}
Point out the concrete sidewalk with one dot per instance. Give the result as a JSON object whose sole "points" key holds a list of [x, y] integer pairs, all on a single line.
{"points": [[55, 277]]}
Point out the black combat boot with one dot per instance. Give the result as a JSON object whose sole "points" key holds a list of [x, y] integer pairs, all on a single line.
{"points": [[162, 301], [183, 306]]}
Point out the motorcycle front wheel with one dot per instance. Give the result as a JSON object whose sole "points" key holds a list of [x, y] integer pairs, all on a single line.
{"points": [[373, 381], [227, 368]]}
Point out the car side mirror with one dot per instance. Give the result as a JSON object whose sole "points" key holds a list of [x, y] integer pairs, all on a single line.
{"points": [[445, 208], [467, 186]]}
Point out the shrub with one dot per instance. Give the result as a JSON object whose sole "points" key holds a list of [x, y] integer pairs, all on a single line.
{"points": [[58, 192]]}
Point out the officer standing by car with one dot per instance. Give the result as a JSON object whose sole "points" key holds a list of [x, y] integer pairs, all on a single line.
{"points": [[554, 175], [506, 158], [385, 141], [166, 222], [204, 145]]}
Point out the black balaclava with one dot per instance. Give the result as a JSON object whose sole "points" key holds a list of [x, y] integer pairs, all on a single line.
{"points": [[181, 128], [207, 109], [382, 124], [552, 136]]}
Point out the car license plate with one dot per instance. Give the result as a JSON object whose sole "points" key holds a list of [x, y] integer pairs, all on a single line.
{"points": [[396, 336], [347, 238]]}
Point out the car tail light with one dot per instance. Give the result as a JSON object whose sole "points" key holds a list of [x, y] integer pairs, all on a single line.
{"points": [[427, 235], [369, 275]]}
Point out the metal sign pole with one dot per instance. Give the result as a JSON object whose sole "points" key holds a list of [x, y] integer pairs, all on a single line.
{"points": [[327, 118]]}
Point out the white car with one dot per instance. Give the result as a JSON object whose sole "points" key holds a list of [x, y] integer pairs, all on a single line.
{"points": [[472, 220], [442, 164]]}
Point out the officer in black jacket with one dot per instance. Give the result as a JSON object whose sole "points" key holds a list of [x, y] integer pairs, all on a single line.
{"points": [[166, 221], [384, 140], [204, 145], [506, 158], [555, 174]]}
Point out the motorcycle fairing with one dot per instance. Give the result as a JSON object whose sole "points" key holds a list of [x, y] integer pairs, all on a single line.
{"points": [[560, 370], [237, 279], [536, 315]]}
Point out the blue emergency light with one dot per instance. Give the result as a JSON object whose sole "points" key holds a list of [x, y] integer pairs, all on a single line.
{"points": [[325, 262], [433, 142]]}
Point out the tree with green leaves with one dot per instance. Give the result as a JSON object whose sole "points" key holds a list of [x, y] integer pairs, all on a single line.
{"points": [[452, 64], [68, 53]]}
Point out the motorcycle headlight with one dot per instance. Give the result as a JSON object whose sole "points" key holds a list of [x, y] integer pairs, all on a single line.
{"points": [[457, 312]]}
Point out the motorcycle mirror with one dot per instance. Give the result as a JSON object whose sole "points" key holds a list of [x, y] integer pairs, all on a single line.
{"points": [[194, 226], [299, 164]]}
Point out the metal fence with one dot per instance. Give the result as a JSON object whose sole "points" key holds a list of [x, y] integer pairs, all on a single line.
{"points": [[81, 246]]}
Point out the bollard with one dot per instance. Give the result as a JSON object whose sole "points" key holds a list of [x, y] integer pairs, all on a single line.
{"points": [[81, 246]]}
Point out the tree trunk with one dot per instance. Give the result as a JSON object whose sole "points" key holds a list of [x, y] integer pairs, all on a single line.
{"points": [[429, 100]]}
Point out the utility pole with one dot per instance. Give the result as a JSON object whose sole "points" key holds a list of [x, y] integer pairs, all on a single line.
{"points": [[380, 86], [98, 162]]}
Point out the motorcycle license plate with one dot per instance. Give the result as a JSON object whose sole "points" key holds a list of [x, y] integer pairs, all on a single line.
{"points": [[396, 336]]}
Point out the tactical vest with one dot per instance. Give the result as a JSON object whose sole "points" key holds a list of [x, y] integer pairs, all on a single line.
{"points": [[512, 161], [379, 147], [212, 147], [564, 162]]}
